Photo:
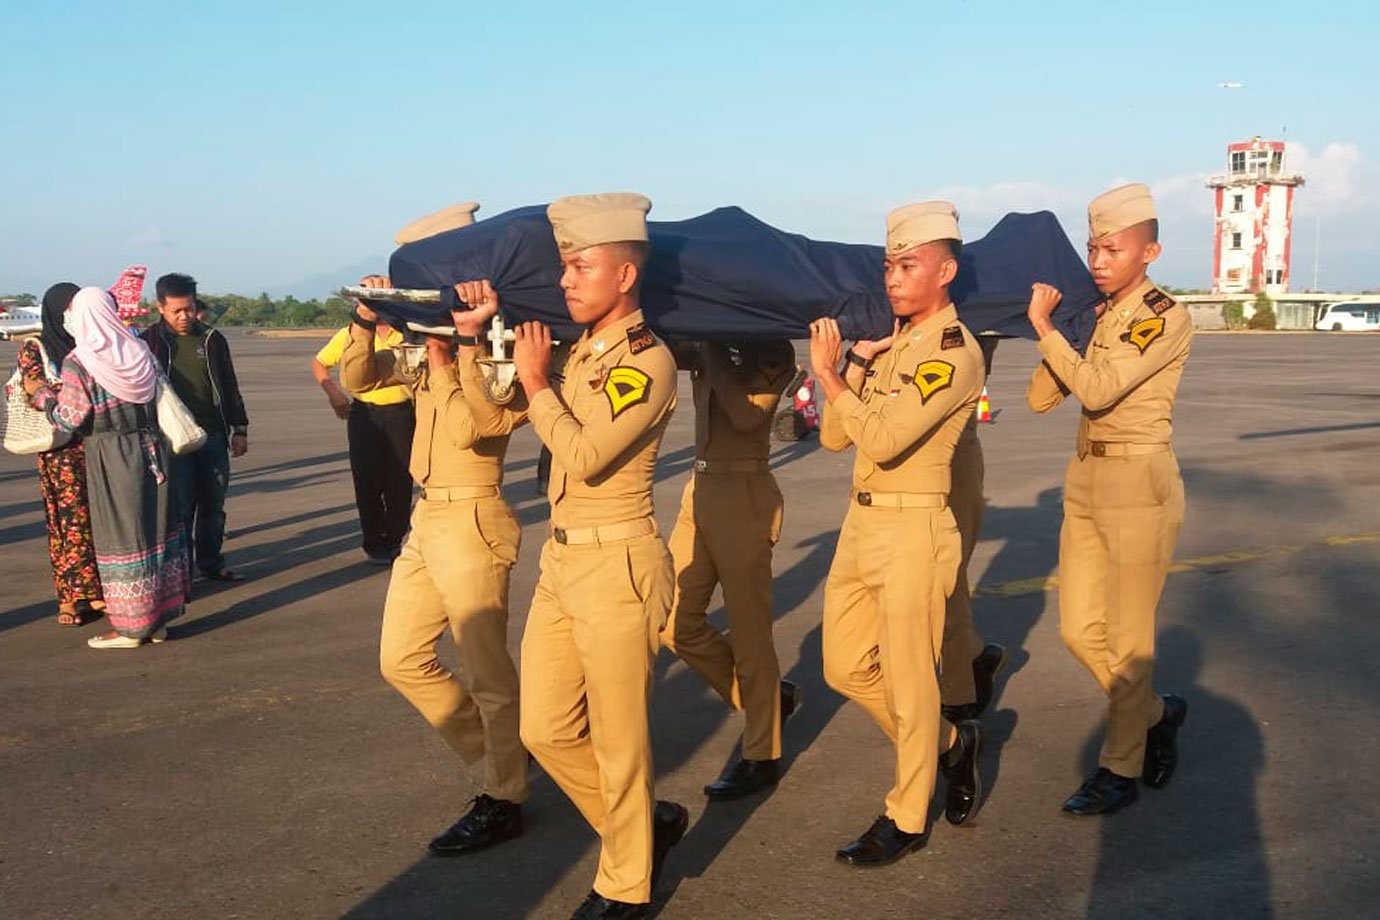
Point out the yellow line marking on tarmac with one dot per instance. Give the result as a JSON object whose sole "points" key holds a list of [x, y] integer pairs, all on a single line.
{"points": [[1025, 586]]}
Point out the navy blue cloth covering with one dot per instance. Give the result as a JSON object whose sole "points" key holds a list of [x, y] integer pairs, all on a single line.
{"points": [[728, 276]]}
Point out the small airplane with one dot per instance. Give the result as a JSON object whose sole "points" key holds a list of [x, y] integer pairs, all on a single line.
{"points": [[17, 321], [1230, 85]]}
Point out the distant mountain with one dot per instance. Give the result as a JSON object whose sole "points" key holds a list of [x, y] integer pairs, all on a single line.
{"points": [[324, 284]]}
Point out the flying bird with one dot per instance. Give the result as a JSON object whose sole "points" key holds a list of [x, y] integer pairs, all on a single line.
{"points": [[1229, 85]]}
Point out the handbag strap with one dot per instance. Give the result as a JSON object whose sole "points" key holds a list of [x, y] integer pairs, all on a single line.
{"points": [[47, 364]]}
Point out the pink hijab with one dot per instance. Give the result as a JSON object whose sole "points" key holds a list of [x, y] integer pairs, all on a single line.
{"points": [[120, 361]]}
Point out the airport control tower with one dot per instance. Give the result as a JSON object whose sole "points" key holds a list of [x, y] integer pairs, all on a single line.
{"points": [[1254, 220]]}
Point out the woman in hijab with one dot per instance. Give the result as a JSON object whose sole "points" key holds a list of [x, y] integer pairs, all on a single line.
{"points": [[108, 393], [62, 476]]}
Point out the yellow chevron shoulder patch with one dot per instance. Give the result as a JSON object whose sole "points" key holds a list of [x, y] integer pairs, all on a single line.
{"points": [[933, 376], [1145, 332], [625, 388]]}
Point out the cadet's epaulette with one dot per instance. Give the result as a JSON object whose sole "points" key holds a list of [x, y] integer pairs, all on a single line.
{"points": [[1158, 301], [640, 338], [952, 338]]}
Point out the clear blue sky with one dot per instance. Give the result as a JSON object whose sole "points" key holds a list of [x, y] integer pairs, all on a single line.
{"points": [[254, 144]]}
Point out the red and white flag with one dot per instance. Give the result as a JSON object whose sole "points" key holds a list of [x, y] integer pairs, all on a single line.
{"points": [[127, 290]]}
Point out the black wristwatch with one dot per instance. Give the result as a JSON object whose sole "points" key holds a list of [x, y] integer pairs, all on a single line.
{"points": [[852, 357], [467, 340], [366, 324]]}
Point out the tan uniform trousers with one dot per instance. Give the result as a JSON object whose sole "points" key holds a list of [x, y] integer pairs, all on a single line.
{"points": [[1121, 520], [883, 628], [724, 535], [961, 642], [587, 657], [453, 572]]}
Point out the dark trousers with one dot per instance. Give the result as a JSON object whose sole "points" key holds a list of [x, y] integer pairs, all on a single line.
{"points": [[380, 448], [201, 480]]}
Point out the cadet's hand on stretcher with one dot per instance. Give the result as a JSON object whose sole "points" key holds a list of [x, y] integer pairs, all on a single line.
{"points": [[483, 303], [532, 356], [371, 281], [826, 347], [1043, 299]]}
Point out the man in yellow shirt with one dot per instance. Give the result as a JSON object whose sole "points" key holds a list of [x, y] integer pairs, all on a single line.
{"points": [[379, 425]]}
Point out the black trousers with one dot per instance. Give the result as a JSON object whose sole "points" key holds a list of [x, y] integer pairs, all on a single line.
{"points": [[380, 447]]}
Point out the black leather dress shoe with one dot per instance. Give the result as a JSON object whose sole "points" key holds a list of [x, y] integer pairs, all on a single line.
{"points": [[1102, 794], [488, 822], [791, 700], [985, 668], [744, 778], [1162, 743], [597, 907], [959, 764], [669, 822], [882, 844]]}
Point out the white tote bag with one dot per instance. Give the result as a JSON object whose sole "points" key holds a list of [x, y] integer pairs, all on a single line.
{"points": [[177, 422], [25, 430]]}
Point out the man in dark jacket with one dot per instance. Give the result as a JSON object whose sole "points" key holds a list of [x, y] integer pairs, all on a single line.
{"points": [[197, 361]]}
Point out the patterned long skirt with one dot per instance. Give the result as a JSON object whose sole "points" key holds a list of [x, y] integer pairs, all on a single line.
{"points": [[140, 547], [62, 479]]}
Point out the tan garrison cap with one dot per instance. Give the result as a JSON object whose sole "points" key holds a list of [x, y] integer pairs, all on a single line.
{"points": [[457, 215], [916, 224], [1122, 207], [582, 221]]}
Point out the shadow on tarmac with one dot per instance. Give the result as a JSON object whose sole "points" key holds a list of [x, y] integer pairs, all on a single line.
{"points": [[15, 508], [266, 559], [1201, 833], [1292, 432], [13, 619], [1029, 537]]}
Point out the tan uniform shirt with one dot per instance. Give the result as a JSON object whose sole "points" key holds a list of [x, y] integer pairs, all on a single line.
{"points": [[1129, 377], [604, 427], [907, 416], [734, 405], [449, 448]]}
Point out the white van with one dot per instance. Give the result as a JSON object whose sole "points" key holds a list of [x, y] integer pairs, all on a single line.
{"points": [[1362, 315]]}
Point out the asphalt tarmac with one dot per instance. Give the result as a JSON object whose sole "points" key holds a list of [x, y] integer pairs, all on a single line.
{"points": [[256, 765]]}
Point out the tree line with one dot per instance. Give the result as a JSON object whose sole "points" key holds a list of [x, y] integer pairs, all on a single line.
{"points": [[235, 310]]}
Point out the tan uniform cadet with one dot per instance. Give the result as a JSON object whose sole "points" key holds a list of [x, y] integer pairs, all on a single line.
{"points": [[605, 585], [898, 552], [1123, 497], [730, 518], [454, 568]]}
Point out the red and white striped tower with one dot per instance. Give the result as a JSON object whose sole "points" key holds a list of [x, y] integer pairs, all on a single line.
{"points": [[1254, 220]]}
